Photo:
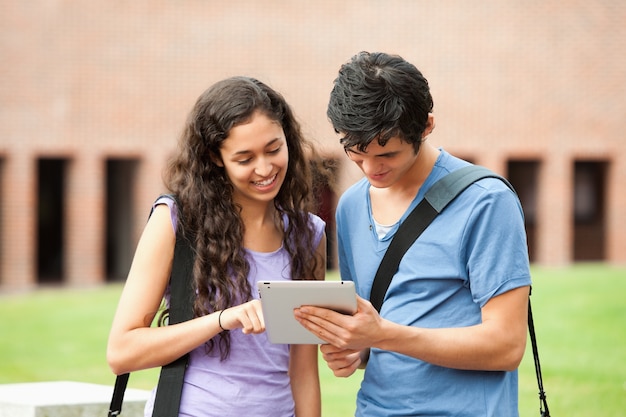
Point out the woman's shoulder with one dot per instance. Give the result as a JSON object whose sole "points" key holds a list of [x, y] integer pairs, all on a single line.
{"points": [[314, 221], [170, 201], [317, 221]]}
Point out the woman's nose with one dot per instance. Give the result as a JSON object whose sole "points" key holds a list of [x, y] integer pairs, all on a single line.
{"points": [[263, 167]]}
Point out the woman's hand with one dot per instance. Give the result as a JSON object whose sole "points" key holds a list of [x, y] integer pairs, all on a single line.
{"points": [[247, 316]]}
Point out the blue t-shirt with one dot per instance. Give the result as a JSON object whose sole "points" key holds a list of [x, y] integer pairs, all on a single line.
{"points": [[474, 250]]}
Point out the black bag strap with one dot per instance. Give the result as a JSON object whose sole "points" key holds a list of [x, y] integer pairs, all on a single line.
{"points": [[543, 403], [169, 388], [115, 408], [436, 199]]}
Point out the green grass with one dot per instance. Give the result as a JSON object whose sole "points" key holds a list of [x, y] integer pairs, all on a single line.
{"points": [[580, 316]]}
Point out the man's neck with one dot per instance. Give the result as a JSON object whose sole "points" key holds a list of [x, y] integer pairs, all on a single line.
{"points": [[389, 204], [412, 181]]}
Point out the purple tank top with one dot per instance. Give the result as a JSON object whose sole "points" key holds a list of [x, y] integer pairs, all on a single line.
{"points": [[254, 377]]}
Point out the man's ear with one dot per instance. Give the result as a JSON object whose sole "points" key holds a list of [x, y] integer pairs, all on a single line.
{"points": [[430, 125]]}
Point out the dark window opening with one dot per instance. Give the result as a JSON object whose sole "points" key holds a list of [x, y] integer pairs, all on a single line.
{"points": [[589, 205], [50, 220], [120, 190], [523, 175]]}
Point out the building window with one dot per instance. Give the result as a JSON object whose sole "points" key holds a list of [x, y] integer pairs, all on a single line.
{"points": [[50, 219], [120, 203], [588, 206], [523, 175]]}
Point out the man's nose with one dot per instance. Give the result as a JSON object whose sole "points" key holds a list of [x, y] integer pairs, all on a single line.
{"points": [[368, 165]]}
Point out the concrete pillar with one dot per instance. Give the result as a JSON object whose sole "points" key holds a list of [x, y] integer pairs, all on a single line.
{"points": [[554, 211], [18, 254], [616, 209], [149, 184], [85, 219]]}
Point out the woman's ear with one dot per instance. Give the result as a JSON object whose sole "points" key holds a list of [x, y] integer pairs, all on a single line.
{"points": [[217, 159], [430, 125]]}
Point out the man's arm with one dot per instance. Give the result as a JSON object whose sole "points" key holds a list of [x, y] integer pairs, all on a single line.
{"points": [[496, 344]]}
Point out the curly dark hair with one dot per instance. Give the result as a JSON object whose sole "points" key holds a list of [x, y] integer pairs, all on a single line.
{"points": [[379, 96], [210, 219]]}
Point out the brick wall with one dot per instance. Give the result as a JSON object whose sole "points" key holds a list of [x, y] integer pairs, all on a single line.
{"points": [[91, 80]]}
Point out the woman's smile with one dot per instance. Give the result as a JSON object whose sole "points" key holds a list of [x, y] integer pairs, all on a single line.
{"points": [[267, 183]]}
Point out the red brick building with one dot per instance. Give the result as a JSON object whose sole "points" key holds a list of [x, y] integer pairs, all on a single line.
{"points": [[93, 95]]}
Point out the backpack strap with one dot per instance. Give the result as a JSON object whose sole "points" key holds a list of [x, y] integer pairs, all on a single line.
{"points": [[117, 399], [436, 199], [169, 388]]}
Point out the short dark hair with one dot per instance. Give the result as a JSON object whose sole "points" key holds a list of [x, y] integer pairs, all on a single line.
{"points": [[379, 96]]}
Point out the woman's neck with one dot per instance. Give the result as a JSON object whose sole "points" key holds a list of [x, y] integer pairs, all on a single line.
{"points": [[263, 228]]}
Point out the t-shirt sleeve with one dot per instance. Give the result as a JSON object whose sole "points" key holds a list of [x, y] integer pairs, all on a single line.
{"points": [[496, 247], [171, 203], [319, 226]]}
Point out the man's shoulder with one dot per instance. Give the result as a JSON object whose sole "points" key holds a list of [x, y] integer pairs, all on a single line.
{"points": [[353, 201], [449, 163], [356, 190]]}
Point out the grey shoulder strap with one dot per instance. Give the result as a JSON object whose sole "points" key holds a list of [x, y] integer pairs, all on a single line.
{"points": [[435, 201]]}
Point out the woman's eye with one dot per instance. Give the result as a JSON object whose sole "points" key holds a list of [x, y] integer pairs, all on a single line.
{"points": [[274, 151]]}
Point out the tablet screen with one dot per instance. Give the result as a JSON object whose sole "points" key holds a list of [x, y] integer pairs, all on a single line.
{"points": [[280, 298]]}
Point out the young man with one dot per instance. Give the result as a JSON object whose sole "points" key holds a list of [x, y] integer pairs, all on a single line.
{"points": [[452, 329]]}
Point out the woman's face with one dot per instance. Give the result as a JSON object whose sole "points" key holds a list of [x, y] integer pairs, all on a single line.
{"points": [[255, 159]]}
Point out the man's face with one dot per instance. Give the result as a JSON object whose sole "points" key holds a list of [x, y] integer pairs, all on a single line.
{"points": [[386, 165]]}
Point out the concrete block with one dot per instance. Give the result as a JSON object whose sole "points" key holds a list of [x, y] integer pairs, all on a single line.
{"points": [[66, 399]]}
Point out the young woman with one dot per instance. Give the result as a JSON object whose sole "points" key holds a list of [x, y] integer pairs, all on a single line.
{"points": [[242, 188]]}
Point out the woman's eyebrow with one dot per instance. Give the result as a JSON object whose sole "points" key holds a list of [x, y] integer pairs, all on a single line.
{"points": [[247, 151]]}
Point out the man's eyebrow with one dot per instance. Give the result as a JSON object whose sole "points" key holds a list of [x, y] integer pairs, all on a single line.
{"points": [[356, 151], [390, 153]]}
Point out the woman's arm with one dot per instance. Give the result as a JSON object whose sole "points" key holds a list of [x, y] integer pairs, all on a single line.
{"points": [[305, 383], [303, 366], [133, 344]]}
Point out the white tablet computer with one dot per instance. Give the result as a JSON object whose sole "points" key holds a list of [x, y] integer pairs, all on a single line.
{"points": [[280, 298]]}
